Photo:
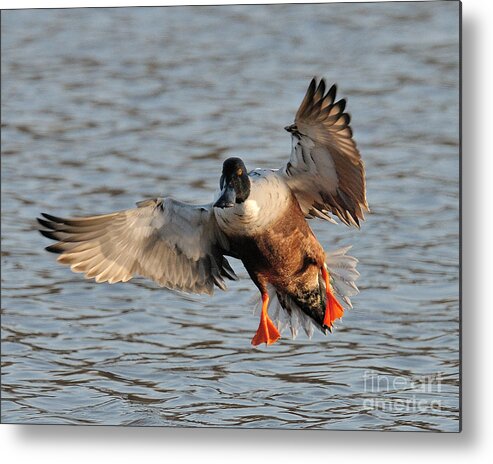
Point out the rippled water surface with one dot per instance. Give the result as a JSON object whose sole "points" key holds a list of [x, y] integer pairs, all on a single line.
{"points": [[102, 108]]}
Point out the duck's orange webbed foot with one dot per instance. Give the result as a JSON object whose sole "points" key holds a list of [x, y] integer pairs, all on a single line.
{"points": [[267, 332], [333, 309]]}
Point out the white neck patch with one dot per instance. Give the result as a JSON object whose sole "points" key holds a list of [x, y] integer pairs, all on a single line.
{"points": [[269, 198]]}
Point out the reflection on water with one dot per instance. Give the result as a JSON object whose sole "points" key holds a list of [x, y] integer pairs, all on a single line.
{"points": [[101, 108]]}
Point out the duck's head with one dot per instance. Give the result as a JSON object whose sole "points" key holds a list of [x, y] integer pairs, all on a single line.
{"points": [[234, 184]]}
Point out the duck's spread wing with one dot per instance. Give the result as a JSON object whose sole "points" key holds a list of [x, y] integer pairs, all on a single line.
{"points": [[177, 245], [325, 170]]}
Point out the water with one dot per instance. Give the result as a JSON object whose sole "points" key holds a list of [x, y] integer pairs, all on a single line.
{"points": [[102, 108]]}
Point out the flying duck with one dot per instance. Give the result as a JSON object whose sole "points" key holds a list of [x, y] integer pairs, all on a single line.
{"points": [[259, 217]]}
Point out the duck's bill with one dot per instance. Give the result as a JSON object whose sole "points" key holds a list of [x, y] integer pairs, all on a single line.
{"points": [[227, 198]]}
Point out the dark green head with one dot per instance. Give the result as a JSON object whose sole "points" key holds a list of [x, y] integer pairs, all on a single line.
{"points": [[234, 183]]}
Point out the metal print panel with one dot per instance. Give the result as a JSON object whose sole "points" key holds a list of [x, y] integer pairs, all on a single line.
{"points": [[354, 326]]}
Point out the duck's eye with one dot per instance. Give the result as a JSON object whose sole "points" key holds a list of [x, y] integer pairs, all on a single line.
{"points": [[239, 172]]}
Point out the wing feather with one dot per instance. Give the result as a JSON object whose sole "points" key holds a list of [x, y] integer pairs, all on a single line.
{"points": [[177, 245], [325, 171]]}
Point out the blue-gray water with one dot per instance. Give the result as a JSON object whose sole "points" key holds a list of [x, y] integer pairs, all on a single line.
{"points": [[102, 108]]}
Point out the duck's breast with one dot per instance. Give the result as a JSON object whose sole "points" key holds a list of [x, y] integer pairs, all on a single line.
{"points": [[269, 199]]}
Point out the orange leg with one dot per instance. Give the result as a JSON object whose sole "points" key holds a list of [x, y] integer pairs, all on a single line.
{"points": [[267, 332], [333, 309]]}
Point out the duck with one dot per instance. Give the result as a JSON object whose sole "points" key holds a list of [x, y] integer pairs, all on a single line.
{"points": [[260, 217]]}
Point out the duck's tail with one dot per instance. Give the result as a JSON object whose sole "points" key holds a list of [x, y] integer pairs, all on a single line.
{"points": [[307, 311]]}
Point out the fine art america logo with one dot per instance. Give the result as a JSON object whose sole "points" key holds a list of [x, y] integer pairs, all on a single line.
{"points": [[402, 394]]}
